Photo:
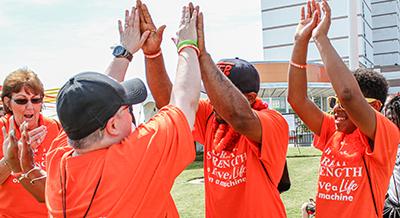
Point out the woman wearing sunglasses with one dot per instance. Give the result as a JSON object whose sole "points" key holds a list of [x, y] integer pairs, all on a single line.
{"points": [[22, 97], [358, 143]]}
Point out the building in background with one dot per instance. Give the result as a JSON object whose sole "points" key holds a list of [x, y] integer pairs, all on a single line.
{"points": [[364, 32]]}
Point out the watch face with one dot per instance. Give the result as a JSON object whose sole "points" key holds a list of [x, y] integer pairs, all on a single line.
{"points": [[118, 51]]}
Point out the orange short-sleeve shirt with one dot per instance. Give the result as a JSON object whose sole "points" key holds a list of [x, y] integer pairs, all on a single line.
{"points": [[343, 185], [15, 200], [136, 174], [236, 184]]}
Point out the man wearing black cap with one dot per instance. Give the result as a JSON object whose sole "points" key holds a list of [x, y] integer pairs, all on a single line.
{"points": [[240, 134], [100, 167]]}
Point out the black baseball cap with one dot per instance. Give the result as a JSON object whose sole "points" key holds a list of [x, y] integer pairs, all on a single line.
{"points": [[242, 74], [88, 100]]}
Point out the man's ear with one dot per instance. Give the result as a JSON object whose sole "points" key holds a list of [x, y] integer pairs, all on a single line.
{"points": [[377, 105], [251, 97], [111, 128]]}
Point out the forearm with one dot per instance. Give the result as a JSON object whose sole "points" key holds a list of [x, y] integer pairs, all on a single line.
{"points": [[35, 184], [158, 80], [226, 99], [4, 171], [343, 81], [118, 68], [297, 91], [186, 90]]}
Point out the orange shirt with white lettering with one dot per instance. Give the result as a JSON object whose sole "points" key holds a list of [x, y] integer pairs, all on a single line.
{"points": [[135, 176], [343, 185], [15, 200], [236, 185]]}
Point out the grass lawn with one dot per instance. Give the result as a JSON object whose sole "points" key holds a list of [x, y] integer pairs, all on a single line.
{"points": [[303, 167]]}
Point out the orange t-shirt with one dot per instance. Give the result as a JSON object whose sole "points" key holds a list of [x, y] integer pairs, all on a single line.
{"points": [[236, 185], [136, 174], [343, 186], [15, 200]]}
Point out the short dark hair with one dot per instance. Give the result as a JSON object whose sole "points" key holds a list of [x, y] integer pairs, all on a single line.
{"points": [[372, 84], [392, 110]]}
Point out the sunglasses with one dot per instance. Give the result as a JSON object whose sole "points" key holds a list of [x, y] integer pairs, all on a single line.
{"points": [[23, 101], [333, 101]]}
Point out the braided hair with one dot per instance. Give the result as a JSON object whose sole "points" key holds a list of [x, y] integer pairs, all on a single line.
{"points": [[392, 109]]}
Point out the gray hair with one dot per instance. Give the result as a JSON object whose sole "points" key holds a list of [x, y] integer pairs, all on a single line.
{"points": [[88, 140]]}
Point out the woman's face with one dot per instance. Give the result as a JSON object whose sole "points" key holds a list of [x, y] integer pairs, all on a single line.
{"points": [[25, 107]]}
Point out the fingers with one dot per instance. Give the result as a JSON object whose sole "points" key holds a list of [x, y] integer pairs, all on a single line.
{"points": [[120, 28], [146, 15], [183, 16], [200, 31], [126, 18], [302, 13], [313, 6], [326, 9], [132, 17], [5, 142], [136, 22], [37, 135], [194, 17], [187, 15], [309, 12], [191, 8], [318, 9]]}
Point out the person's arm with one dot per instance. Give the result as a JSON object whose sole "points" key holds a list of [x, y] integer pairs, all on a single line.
{"points": [[130, 39], [34, 182], [226, 99], [186, 90], [156, 75], [342, 79], [308, 112]]}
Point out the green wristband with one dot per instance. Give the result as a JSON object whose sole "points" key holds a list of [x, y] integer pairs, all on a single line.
{"points": [[187, 42]]}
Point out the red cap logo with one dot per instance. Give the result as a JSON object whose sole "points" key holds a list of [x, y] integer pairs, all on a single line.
{"points": [[225, 67]]}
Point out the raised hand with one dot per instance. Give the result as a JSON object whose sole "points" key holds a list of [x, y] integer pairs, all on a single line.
{"points": [[324, 23], [307, 22], [10, 148], [130, 36], [187, 28], [37, 135], [153, 43]]}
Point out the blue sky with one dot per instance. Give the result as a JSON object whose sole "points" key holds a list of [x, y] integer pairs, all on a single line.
{"points": [[59, 38]]}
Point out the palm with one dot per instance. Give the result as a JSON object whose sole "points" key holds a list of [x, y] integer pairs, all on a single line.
{"points": [[152, 44], [303, 30]]}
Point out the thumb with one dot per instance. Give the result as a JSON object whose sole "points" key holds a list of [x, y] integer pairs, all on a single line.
{"points": [[144, 37], [175, 40], [160, 31]]}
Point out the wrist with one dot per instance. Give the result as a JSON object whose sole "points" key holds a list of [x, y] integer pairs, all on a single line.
{"points": [[320, 38], [152, 55]]}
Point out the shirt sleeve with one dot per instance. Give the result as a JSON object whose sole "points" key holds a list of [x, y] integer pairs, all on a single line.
{"points": [[166, 143], [203, 114], [386, 141], [327, 130], [274, 145]]}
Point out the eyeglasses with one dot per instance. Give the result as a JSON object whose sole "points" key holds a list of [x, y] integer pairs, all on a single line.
{"points": [[23, 101], [333, 100]]}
